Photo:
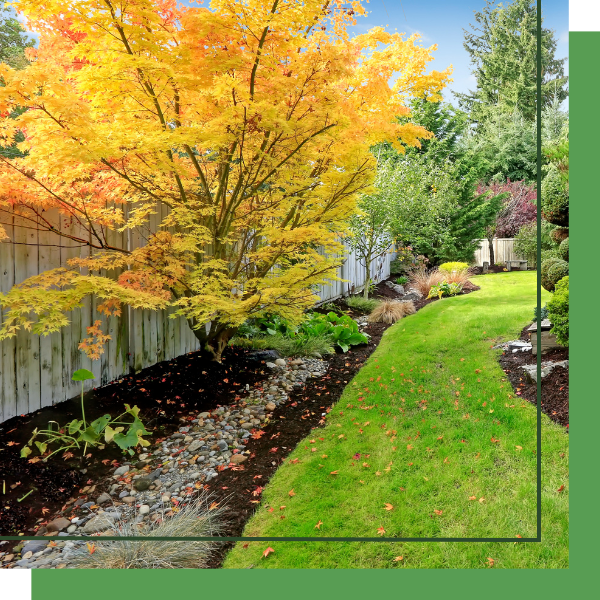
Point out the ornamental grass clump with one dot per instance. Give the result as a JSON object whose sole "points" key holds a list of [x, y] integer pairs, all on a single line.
{"points": [[360, 304], [422, 280], [200, 517], [390, 311]]}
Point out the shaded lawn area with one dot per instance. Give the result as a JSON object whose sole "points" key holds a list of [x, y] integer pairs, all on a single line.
{"points": [[428, 440]]}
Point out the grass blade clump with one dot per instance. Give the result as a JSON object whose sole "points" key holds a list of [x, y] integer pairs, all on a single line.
{"points": [[198, 518], [360, 304], [390, 311]]}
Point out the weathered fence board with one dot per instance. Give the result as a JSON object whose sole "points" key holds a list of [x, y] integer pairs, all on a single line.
{"points": [[35, 371], [503, 251]]}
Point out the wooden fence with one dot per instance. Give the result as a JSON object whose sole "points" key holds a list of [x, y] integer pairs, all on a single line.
{"points": [[35, 371], [503, 251]]}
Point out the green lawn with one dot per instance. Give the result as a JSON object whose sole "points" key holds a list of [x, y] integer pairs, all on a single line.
{"points": [[443, 442]]}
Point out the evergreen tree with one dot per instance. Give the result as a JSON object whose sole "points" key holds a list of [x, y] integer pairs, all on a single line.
{"points": [[502, 45], [13, 39]]}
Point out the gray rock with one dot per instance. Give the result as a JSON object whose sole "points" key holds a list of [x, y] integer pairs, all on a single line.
{"points": [[121, 470], [195, 445], [102, 498], [280, 362], [71, 528], [58, 524], [142, 484], [34, 546], [100, 522]]}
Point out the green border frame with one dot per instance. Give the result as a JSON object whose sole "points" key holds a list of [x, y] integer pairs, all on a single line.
{"points": [[584, 215]]}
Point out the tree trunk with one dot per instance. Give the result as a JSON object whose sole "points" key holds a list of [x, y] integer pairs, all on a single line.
{"points": [[367, 279], [491, 247]]}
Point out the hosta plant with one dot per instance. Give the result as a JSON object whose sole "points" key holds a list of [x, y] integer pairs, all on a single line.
{"points": [[79, 434]]}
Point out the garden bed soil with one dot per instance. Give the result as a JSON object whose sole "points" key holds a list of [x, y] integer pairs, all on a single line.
{"points": [[165, 393], [494, 269], [555, 386]]}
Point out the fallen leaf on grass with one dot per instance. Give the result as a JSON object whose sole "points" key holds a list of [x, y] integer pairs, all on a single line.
{"points": [[380, 530], [438, 512], [318, 525], [388, 506], [561, 488], [398, 558], [267, 552], [334, 473], [291, 493], [472, 497], [519, 447], [481, 500], [491, 562]]}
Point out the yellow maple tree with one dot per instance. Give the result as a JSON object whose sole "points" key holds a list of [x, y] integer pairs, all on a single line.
{"points": [[234, 140]]}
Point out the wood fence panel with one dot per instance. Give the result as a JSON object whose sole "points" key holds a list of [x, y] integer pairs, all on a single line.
{"points": [[503, 251], [35, 371]]}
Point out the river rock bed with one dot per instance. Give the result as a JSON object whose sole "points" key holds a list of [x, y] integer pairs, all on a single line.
{"points": [[169, 472]]}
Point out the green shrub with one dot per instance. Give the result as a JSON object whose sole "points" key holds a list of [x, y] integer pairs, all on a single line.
{"points": [[449, 267], [402, 280], [558, 311], [444, 289], [563, 249], [552, 253], [556, 272], [543, 315], [555, 198], [361, 304], [525, 244], [547, 284]]}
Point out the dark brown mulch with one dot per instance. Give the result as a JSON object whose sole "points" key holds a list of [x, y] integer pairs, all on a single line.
{"points": [[555, 386], [493, 269], [167, 392]]}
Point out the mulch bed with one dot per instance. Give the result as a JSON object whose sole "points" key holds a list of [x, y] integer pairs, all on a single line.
{"points": [[165, 393], [555, 386], [493, 269]]}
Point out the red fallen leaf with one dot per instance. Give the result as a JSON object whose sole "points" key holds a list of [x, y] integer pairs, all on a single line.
{"points": [[462, 359], [388, 506], [438, 512], [257, 435], [225, 380], [356, 456], [398, 558], [334, 473], [245, 546], [561, 488], [267, 552], [291, 493], [45, 510], [318, 525], [270, 510], [91, 547], [491, 562], [12, 443], [142, 389], [273, 450], [494, 440], [519, 536], [257, 491], [380, 530], [213, 506]]}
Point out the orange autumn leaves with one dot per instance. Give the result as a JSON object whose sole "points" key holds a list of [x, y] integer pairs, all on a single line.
{"points": [[149, 111]]}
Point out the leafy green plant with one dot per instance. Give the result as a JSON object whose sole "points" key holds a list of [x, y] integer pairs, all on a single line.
{"points": [[558, 311], [79, 432], [402, 280], [444, 289], [563, 249], [361, 304]]}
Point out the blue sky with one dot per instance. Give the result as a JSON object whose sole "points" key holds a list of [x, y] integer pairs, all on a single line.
{"points": [[442, 22]]}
